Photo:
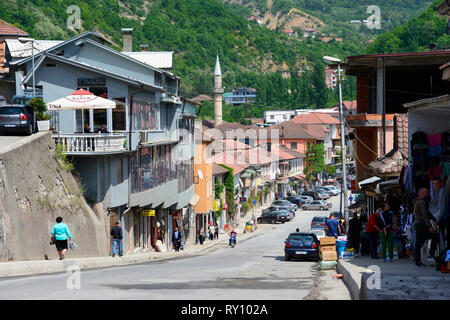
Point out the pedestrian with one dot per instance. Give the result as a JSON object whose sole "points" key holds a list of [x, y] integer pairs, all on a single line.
{"points": [[437, 208], [297, 230], [86, 128], [350, 199], [61, 232], [201, 236], [423, 227], [116, 233], [216, 232], [372, 232], [212, 230], [386, 234], [332, 227], [354, 233], [176, 239]]}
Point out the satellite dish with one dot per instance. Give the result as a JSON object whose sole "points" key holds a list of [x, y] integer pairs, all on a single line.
{"points": [[200, 174]]}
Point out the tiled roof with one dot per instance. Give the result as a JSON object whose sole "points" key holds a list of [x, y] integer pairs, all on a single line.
{"points": [[7, 29], [392, 162], [317, 131], [216, 169], [234, 145], [285, 153], [289, 130]]}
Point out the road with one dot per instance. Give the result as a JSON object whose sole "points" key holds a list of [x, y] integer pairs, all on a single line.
{"points": [[7, 139], [255, 270]]}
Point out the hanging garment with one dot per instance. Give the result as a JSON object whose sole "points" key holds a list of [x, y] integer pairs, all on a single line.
{"points": [[445, 170], [434, 151], [434, 139]]}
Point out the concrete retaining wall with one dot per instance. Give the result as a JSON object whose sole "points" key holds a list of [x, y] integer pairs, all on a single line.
{"points": [[34, 190]]}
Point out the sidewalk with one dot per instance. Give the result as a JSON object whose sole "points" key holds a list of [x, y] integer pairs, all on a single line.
{"points": [[400, 280], [22, 268]]}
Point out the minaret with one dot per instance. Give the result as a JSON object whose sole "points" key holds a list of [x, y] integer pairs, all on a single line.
{"points": [[217, 92]]}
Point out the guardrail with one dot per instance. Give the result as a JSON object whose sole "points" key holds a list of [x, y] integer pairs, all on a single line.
{"points": [[92, 142]]}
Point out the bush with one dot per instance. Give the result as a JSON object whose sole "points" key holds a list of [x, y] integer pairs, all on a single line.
{"points": [[39, 107]]}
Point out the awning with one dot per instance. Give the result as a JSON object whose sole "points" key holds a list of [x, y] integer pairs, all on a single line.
{"points": [[369, 181], [248, 173], [301, 176]]}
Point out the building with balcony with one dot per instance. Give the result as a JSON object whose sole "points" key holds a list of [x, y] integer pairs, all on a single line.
{"points": [[140, 172]]}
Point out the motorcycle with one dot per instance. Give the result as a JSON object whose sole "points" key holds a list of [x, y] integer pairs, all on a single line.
{"points": [[232, 241]]}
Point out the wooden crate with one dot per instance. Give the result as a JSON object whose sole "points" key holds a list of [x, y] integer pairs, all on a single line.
{"points": [[327, 241], [327, 248], [329, 256]]}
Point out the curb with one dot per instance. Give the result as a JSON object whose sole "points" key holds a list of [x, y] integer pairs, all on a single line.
{"points": [[355, 278]]}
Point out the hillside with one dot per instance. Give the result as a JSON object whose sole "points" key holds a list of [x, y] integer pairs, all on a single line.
{"points": [[331, 16]]}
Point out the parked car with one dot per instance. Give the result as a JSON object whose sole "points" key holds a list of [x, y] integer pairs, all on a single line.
{"points": [[17, 118], [21, 99], [322, 194], [313, 194], [273, 217], [306, 199], [290, 216], [284, 203], [318, 222], [332, 190], [331, 183], [320, 233], [317, 205], [296, 200], [301, 246]]}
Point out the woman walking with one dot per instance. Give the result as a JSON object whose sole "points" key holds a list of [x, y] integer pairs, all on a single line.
{"points": [[60, 231]]}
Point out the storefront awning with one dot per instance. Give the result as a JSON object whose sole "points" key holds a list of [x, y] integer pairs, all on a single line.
{"points": [[369, 181]]}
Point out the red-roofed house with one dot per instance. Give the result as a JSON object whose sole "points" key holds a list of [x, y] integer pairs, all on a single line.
{"points": [[331, 140], [7, 31]]}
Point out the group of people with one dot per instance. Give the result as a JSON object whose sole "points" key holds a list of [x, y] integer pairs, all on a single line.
{"points": [[102, 129], [427, 219]]}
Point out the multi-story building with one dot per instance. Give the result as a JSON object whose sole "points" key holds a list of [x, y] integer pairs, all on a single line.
{"points": [[141, 171], [240, 95]]}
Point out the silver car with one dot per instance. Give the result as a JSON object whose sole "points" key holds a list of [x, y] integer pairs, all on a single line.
{"points": [[333, 191], [317, 205]]}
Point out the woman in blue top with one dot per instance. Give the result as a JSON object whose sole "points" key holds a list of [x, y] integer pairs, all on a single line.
{"points": [[61, 232]]}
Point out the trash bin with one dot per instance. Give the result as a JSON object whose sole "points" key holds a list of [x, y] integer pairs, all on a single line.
{"points": [[340, 247]]}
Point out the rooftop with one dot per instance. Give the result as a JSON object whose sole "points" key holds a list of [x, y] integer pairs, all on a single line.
{"points": [[7, 29], [315, 118]]}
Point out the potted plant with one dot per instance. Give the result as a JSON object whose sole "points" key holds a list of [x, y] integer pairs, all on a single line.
{"points": [[42, 118]]}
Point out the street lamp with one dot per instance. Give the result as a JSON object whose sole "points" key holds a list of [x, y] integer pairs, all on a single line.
{"points": [[343, 150]]}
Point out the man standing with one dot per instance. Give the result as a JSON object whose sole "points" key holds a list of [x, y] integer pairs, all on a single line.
{"points": [[387, 235], [422, 226], [372, 231], [332, 227], [437, 209], [176, 239], [117, 235], [354, 233]]}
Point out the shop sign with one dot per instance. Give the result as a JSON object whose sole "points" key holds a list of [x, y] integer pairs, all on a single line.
{"points": [[148, 213], [216, 205], [87, 82], [247, 182]]}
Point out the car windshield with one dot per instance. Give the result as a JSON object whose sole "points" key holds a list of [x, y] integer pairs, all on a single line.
{"points": [[11, 110], [301, 237], [318, 219], [280, 203]]}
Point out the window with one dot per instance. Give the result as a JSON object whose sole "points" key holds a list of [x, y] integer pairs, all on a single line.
{"points": [[50, 65], [272, 117], [293, 145], [146, 115]]}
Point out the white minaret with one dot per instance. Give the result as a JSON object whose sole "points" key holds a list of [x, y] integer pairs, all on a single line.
{"points": [[217, 92]]}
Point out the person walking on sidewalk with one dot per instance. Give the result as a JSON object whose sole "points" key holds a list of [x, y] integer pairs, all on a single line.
{"points": [[216, 233], [117, 235], [176, 239], [211, 232], [354, 233], [387, 235], [372, 232], [61, 232], [423, 227], [201, 236]]}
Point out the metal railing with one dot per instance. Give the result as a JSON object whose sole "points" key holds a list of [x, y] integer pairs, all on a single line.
{"points": [[92, 142]]}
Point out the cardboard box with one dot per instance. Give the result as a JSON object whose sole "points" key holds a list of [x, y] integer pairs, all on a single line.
{"points": [[327, 241], [327, 248], [329, 256]]}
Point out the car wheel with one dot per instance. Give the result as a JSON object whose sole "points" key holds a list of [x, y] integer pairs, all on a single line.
{"points": [[29, 130], [287, 258], [304, 208], [272, 221], [322, 208]]}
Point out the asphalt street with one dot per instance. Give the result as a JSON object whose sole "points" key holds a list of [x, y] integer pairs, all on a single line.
{"points": [[255, 270]]}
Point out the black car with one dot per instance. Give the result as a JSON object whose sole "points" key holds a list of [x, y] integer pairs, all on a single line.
{"points": [[17, 118], [301, 246], [313, 194], [295, 200], [273, 217]]}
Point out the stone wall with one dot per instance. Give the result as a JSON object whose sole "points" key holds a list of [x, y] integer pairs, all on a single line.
{"points": [[35, 188]]}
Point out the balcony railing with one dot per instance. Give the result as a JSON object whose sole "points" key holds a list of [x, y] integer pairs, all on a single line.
{"points": [[92, 142]]}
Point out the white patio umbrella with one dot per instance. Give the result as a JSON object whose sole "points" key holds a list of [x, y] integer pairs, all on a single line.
{"points": [[81, 100]]}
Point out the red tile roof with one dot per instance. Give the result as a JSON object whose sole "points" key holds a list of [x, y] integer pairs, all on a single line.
{"points": [[315, 118], [7, 29]]}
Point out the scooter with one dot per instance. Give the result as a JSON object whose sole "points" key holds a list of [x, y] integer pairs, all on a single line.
{"points": [[233, 241]]}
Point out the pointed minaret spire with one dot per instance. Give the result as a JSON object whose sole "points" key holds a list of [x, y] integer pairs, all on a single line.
{"points": [[217, 71], [217, 92]]}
